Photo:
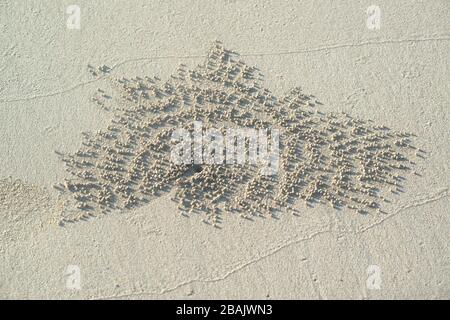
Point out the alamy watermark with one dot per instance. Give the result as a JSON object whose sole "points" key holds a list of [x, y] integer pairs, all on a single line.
{"points": [[373, 281], [73, 280], [373, 21], [237, 146], [74, 19]]}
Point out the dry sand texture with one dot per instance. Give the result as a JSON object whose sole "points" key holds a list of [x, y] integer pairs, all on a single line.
{"points": [[358, 209]]}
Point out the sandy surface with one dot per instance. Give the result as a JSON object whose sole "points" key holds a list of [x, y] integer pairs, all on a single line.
{"points": [[397, 75]]}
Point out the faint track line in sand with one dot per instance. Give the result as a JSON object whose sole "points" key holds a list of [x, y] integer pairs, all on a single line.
{"points": [[347, 45], [421, 201], [198, 56], [414, 204]]}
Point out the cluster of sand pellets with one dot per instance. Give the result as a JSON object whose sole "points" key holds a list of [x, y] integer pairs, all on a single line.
{"points": [[324, 158]]}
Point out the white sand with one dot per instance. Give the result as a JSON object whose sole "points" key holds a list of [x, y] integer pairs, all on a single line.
{"points": [[397, 76]]}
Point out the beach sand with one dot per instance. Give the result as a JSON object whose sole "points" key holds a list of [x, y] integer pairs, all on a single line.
{"points": [[396, 76]]}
